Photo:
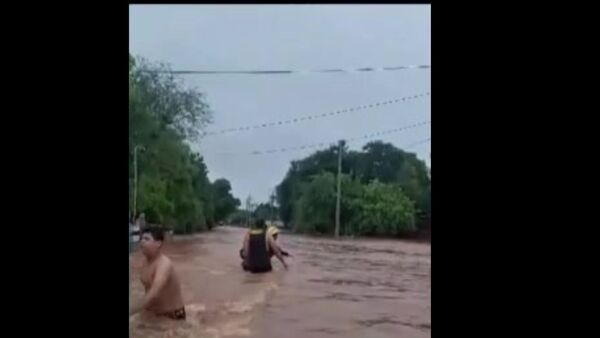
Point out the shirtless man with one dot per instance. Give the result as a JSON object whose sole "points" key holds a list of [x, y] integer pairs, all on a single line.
{"points": [[163, 291]]}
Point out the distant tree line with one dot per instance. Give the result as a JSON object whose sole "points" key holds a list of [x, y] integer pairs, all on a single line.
{"points": [[385, 192]]}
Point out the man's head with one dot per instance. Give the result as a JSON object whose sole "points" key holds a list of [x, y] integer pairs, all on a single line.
{"points": [[152, 241], [260, 224]]}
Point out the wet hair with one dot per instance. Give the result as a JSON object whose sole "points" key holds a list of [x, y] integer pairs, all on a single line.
{"points": [[158, 234], [260, 223]]}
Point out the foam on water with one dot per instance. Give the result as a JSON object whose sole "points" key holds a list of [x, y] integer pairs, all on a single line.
{"points": [[228, 319], [343, 289]]}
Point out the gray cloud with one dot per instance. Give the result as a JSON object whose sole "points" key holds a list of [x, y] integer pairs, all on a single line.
{"points": [[245, 37]]}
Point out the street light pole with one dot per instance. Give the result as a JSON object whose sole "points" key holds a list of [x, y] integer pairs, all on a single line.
{"points": [[272, 211], [339, 193], [248, 209], [135, 177]]}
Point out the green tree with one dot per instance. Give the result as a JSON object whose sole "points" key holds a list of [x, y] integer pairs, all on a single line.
{"points": [[166, 98], [317, 204], [164, 116], [289, 190], [265, 211], [239, 218], [384, 210], [224, 202], [303, 205], [350, 202]]}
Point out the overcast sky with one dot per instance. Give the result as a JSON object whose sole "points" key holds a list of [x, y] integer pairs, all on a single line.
{"points": [[295, 37]]}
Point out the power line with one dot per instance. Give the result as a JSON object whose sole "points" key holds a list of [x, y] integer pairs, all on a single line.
{"points": [[316, 116], [287, 71], [412, 145], [389, 131], [323, 144]]}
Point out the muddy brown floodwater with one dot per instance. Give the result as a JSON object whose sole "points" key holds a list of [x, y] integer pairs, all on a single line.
{"points": [[348, 288]]}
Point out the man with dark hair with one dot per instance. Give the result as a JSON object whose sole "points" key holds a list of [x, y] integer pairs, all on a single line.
{"points": [[274, 231], [163, 290], [258, 243]]}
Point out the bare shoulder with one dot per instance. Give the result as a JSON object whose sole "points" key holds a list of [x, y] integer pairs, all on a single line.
{"points": [[165, 263]]}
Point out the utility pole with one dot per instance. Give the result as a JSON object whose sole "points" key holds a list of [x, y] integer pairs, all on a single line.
{"points": [[339, 191], [272, 211], [248, 208], [135, 178]]}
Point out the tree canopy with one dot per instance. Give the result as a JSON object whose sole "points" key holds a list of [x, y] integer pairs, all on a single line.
{"points": [[385, 191], [173, 186]]}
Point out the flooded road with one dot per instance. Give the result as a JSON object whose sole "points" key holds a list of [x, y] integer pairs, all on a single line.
{"points": [[348, 288]]}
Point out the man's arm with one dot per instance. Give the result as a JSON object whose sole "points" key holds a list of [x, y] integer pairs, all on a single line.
{"points": [[163, 270], [273, 245]]}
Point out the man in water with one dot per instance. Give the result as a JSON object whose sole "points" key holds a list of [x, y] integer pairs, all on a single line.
{"points": [[163, 290], [258, 244], [273, 231]]}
